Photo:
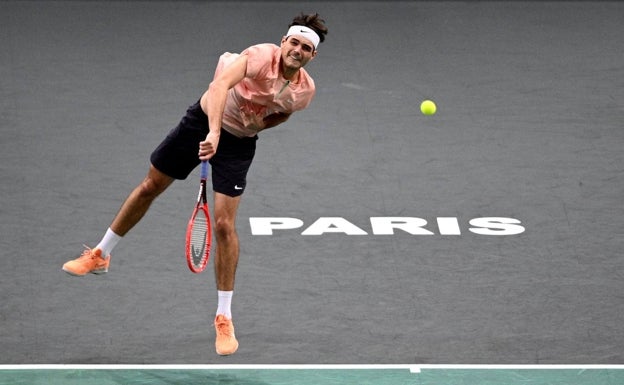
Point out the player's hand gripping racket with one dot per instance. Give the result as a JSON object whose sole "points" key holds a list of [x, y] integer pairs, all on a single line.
{"points": [[199, 230]]}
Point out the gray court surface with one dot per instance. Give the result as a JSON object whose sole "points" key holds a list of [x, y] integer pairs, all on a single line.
{"points": [[390, 260]]}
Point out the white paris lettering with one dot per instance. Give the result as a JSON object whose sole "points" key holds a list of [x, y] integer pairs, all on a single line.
{"points": [[388, 226]]}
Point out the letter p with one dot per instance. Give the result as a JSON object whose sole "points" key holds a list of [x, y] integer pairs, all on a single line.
{"points": [[266, 225]]}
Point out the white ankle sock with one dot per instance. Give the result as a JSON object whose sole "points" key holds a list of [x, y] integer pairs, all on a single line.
{"points": [[225, 303], [108, 243]]}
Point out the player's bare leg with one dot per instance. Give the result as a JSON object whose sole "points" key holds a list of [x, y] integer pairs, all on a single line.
{"points": [[227, 251], [97, 260], [226, 261], [139, 201]]}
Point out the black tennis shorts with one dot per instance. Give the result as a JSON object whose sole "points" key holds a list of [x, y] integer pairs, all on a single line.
{"points": [[177, 156]]}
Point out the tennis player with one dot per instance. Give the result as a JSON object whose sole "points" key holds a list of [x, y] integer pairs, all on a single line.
{"points": [[250, 92]]}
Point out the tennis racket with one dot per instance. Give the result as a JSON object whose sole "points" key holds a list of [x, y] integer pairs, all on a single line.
{"points": [[199, 230]]}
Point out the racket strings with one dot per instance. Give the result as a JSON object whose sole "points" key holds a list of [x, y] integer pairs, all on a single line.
{"points": [[198, 239]]}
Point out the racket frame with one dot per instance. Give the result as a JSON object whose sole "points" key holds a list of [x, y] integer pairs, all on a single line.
{"points": [[201, 208]]}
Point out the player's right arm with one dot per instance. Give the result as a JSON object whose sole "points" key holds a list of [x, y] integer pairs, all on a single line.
{"points": [[213, 103]]}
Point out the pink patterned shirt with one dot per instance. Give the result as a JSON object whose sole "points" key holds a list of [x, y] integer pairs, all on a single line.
{"points": [[263, 91]]}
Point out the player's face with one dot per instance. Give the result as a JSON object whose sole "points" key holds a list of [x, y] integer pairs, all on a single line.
{"points": [[297, 51]]}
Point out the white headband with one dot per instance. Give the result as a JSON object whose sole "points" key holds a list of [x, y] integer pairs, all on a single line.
{"points": [[308, 33]]}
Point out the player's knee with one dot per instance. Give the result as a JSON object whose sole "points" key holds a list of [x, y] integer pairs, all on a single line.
{"points": [[150, 188], [224, 228], [154, 183]]}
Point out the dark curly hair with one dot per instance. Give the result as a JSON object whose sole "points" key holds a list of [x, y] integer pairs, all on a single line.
{"points": [[313, 21]]}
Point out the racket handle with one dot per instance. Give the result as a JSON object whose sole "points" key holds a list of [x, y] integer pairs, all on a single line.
{"points": [[204, 170]]}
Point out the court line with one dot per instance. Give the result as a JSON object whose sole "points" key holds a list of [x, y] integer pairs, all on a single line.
{"points": [[411, 368]]}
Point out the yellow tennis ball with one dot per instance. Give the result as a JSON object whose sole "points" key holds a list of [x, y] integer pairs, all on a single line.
{"points": [[428, 107]]}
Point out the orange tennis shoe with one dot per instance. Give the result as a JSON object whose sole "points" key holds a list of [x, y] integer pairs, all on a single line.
{"points": [[90, 261], [226, 342]]}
